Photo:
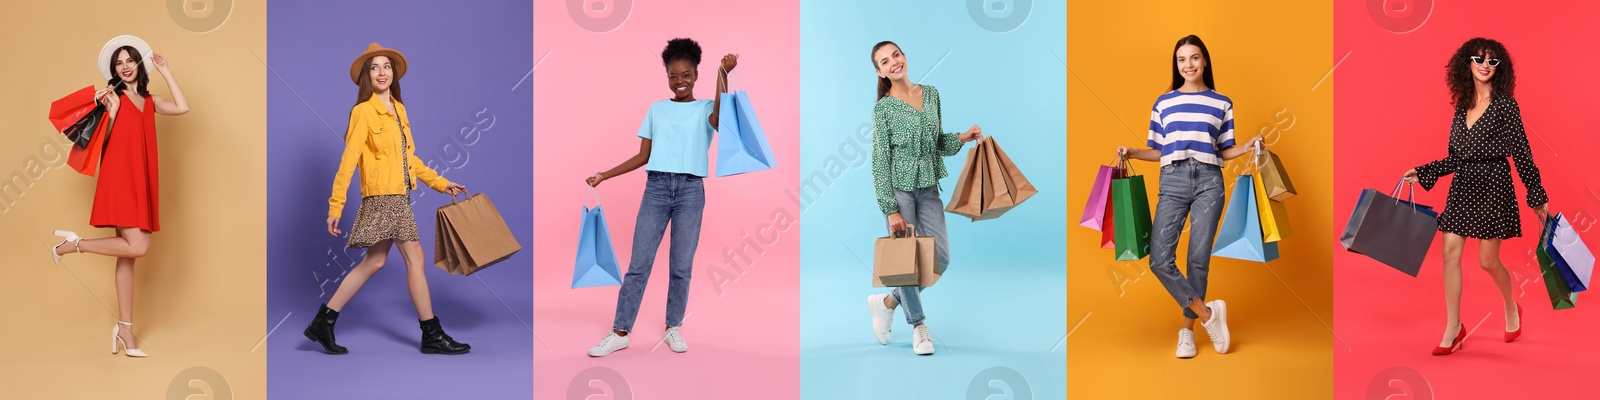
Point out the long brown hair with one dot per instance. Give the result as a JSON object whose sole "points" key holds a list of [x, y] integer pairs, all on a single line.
{"points": [[883, 83], [1205, 75], [140, 76], [364, 84]]}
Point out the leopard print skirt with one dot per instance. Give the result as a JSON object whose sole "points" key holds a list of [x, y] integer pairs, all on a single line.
{"points": [[384, 217]]}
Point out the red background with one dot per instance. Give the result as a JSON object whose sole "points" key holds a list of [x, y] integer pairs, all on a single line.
{"points": [[1392, 113]]}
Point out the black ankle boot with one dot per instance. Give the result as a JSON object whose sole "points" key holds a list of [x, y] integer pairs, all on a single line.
{"points": [[435, 341], [321, 330]]}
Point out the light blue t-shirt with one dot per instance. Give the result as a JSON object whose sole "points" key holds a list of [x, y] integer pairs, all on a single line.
{"points": [[680, 136]]}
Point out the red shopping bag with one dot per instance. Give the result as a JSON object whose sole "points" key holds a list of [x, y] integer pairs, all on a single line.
{"points": [[1108, 225], [69, 111], [87, 160]]}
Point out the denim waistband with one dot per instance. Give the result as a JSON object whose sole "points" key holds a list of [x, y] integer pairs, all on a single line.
{"points": [[1190, 163], [659, 175]]}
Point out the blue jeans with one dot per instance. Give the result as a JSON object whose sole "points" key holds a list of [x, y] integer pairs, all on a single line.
{"points": [[1189, 190], [681, 200], [922, 208]]}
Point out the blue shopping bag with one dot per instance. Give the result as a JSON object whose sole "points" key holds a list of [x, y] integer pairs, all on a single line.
{"points": [[741, 143], [1240, 236], [1569, 254], [597, 260]]}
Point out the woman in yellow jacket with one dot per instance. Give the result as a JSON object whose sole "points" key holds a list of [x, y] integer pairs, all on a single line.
{"points": [[379, 141]]}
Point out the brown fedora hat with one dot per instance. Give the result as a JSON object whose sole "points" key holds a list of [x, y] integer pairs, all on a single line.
{"points": [[374, 49]]}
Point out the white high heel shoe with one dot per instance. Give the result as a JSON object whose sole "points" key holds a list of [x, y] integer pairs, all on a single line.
{"points": [[67, 237], [117, 339]]}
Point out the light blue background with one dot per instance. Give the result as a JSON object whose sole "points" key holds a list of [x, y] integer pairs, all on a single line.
{"points": [[1002, 303]]}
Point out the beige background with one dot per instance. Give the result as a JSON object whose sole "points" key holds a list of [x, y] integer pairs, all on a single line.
{"points": [[201, 293]]}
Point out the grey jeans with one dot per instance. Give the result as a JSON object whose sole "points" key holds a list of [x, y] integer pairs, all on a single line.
{"points": [[922, 208], [1189, 190]]}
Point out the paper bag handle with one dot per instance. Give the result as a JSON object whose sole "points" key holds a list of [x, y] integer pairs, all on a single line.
{"points": [[593, 194], [910, 228]]}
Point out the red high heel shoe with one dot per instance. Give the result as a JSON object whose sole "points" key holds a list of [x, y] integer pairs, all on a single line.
{"points": [[1455, 345], [1513, 335]]}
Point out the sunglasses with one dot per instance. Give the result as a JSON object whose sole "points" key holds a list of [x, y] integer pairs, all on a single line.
{"points": [[1480, 61]]}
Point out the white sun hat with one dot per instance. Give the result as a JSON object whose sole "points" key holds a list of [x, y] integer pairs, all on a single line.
{"points": [[110, 49]]}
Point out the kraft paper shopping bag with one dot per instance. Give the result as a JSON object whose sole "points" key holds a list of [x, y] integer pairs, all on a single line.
{"points": [[472, 235], [895, 260], [1276, 180]]}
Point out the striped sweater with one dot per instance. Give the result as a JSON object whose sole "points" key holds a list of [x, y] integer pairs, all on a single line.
{"points": [[1195, 126]]}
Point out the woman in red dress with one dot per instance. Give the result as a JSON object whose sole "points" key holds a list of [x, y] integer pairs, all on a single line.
{"points": [[125, 197]]}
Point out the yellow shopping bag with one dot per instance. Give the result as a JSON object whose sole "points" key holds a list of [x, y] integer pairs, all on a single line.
{"points": [[1274, 217]]}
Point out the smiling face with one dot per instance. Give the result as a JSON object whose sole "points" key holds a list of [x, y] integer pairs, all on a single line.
{"points": [[891, 62], [126, 67], [681, 75], [1191, 63], [381, 72], [1483, 67]]}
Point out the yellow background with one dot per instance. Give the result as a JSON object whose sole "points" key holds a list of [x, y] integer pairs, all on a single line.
{"points": [[201, 292], [1268, 56]]}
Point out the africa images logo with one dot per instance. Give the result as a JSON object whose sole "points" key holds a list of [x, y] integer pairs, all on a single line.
{"points": [[200, 16], [599, 16], [1400, 16], [999, 16]]}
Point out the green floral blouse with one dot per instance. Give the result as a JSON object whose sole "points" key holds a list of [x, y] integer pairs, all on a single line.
{"points": [[907, 146]]}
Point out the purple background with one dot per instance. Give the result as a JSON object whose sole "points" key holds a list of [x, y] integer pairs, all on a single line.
{"points": [[465, 63]]}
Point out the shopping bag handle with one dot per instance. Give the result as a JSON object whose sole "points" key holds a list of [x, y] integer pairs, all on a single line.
{"points": [[1411, 194], [453, 196], [730, 78], [593, 194], [1548, 216], [1116, 165], [1127, 167], [1255, 161], [910, 228]]}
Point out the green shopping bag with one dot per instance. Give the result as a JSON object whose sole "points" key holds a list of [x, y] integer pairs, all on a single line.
{"points": [[1131, 205], [1560, 295]]}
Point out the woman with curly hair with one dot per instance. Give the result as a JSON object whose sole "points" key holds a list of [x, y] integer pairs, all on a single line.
{"points": [[1482, 202], [674, 141]]}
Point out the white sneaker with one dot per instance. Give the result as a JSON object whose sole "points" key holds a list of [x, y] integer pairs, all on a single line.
{"points": [[921, 340], [675, 340], [882, 317], [1217, 327], [610, 344], [1186, 343]]}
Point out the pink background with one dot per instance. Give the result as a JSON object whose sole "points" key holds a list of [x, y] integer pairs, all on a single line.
{"points": [[591, 91], [1393, 113]]}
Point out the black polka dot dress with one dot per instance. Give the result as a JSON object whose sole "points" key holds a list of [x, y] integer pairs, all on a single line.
{"points": [[1482, 202]]}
